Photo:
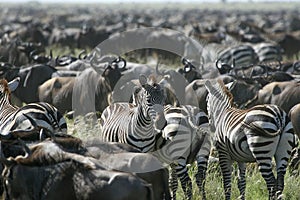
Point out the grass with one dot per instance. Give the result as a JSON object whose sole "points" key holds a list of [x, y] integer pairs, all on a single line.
{"points": [[256, 188]]}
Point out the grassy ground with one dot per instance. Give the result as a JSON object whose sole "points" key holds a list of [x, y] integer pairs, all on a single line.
{"points": [[256, 188]]}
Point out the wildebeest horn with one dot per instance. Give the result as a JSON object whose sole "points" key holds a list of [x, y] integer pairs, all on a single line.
{"points": [[81, 53], [184, 61], [6, 66], [280, 65], [33, 54], [51, 54], [121, 60], [202, 63], [296, 66], [157, 65], [217, 64]]}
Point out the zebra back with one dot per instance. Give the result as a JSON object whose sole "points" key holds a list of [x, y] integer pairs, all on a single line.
{"points": [[259, 134], [186, 128], [220, 102], [6, 107], [239, 55], [267, 52], [13, 118]]}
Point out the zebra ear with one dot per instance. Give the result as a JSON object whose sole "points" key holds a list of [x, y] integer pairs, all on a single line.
{"points": [[208, 85], [143, 80], [12, 85]]}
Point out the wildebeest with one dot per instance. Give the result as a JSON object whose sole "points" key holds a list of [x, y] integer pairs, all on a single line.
{"points": [[58, 91], [284, 94], [116, 156], [30, 79], [57, 173], [85, 93], [294, 115], [68, 180]]}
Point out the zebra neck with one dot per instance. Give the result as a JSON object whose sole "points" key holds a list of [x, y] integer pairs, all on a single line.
{"points": [[142, 123], [218, 108], [6, 109]]}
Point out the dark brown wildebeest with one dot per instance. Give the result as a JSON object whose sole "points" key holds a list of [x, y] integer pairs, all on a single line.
{"points": [[59, 91], [284, 94], [294, 115]]}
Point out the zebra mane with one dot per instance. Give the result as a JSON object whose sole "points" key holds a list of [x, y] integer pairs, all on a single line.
{"points": [[226, 91], [4, 84], [220, 90]]}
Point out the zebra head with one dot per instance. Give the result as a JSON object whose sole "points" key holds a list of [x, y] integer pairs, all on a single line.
{"points": [[152, 98]]}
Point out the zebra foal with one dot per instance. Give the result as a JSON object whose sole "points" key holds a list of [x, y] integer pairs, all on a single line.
{"points": [[135, 123], [14, 118], [254, 135]]}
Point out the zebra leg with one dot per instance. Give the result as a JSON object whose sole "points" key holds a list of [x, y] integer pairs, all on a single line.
{"points": [[186, 182], [242, 180], [286, 145], [201, 175], [173, 182], [226, 168], [265, 169], [280, 184]]}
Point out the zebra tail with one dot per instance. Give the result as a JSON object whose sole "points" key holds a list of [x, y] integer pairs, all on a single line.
{"points": [[263, 131]]}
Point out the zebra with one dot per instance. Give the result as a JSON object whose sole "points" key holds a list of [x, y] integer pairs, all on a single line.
{"points": [[236, 57], [185, 139], [16, 119], [254, 135], [268, 52], [135, 123]]}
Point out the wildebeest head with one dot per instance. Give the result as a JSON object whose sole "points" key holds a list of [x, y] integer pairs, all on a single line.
{"points": [[113, 71], [47, 152], [189, 71]]}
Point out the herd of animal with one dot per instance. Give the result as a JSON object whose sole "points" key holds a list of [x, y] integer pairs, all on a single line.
{"points": [[237, 94]]}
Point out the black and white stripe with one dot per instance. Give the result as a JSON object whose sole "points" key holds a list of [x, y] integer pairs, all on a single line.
{"points": [[238, 56], [256, 135], [268, 52], [13, 118], [134, 123], [186, 141]]}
